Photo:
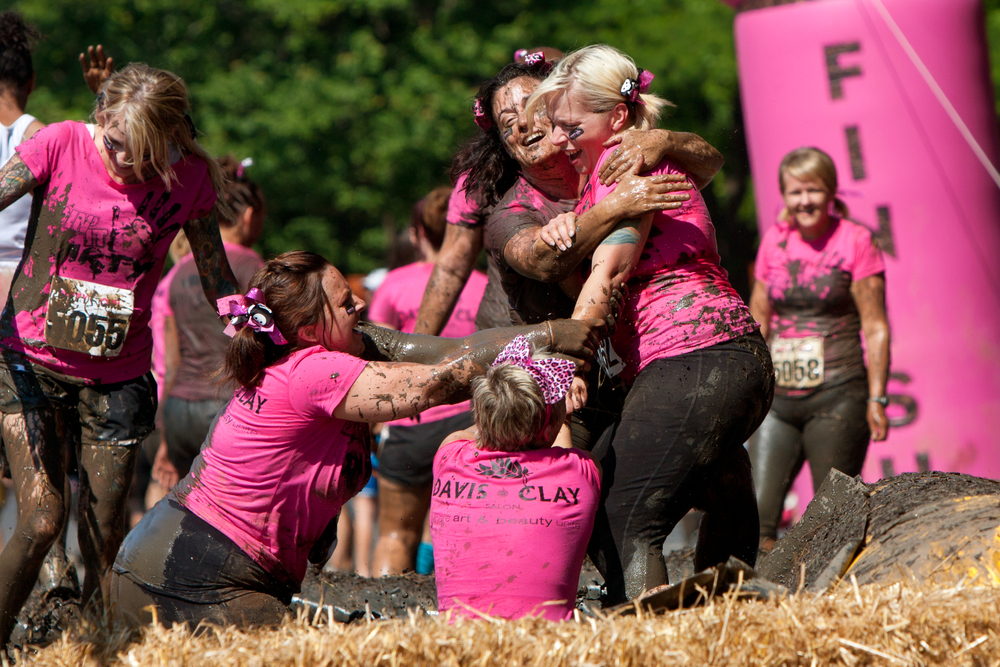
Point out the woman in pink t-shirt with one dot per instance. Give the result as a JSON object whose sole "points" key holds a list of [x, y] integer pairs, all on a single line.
{"points": [[820, 282], [74, 336], [232, 540], [699, 373], [511, 513]]}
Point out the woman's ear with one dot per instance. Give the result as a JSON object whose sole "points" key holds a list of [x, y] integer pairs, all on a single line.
{"points": [[619, 117], [309, 334]]}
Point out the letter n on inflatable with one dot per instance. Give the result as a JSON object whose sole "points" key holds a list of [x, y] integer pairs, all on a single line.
{"points": [[898, 92]]}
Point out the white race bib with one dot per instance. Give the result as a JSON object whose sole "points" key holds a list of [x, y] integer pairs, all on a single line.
{"points": [[88, 317], [798, 362]]}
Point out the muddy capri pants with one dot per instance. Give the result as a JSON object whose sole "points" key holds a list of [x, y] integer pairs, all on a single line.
{"points": [[678, 446], [828, 427]]}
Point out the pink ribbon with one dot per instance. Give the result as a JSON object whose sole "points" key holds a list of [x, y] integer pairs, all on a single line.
{"points": [[248, 310], [482, 120], [554, 376], [632, 88]]}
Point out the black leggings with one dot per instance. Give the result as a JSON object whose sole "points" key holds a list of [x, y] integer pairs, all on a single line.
{"points": [[678, 446], [828, 427]]}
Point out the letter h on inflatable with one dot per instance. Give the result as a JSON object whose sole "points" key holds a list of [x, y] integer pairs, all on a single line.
{"points": [[898, 93]]}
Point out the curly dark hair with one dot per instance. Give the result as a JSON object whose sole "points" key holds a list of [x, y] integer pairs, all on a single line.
{"points": [[492, 171], [17, 38]]}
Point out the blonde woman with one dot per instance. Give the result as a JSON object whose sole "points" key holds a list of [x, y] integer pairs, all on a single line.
{"points": [[75, 346], [820, 282], [701, 379], [511, 513]]}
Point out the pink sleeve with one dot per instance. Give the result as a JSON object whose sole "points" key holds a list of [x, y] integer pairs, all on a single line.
{"points": [[462, 209], [39, 152], [761, 266], [205, 197], [382, 309], [868, 257], [318, 382]]}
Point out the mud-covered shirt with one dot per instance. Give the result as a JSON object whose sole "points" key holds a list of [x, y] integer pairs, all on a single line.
{"points": [[89, 229], [510, 529], [524, 207], [278, 465], [809, 287], [680, 299]]}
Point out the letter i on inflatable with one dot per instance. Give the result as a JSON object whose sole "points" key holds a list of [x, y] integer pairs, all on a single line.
{"points": [[898, 93]]}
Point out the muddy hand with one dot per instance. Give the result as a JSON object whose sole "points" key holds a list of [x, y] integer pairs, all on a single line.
{"points": [[616, 304], [577, 338], [637, 195], [97, 67], [560, 231], [164, 472], [878, 423], [622, 158]]}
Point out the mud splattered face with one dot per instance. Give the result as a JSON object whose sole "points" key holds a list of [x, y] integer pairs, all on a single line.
{"points": [[529, 149], [577, 131], [337, 332], [808, 202], [115, 150]]}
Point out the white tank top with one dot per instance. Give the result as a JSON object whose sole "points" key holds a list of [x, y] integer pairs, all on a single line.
{"points": [[14, 218]]}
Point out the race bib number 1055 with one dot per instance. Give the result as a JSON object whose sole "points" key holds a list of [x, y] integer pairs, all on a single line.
{"points": [[88, 317], [798, 362]]}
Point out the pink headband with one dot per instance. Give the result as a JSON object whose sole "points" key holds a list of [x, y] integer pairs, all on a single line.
{"points": [[249, 311], [632, 88], [554, 376]]}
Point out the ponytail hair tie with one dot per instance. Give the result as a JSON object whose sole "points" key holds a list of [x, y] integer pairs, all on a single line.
{"points": [[244, 165], [249, 310], [632, 88], [482, 120]]}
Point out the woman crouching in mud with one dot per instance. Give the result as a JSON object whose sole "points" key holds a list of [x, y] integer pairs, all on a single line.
{"points": [[700, 375], [230, 544], [75, 346]]}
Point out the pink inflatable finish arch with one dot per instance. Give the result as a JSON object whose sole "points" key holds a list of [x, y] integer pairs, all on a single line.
{"points": [[898, 92]]}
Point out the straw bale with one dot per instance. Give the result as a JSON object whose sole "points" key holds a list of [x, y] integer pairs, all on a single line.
{"points": [[850, 625]]}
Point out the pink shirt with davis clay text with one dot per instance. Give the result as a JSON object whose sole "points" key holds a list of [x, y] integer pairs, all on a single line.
{"points": [[91, 229], [510, 529], [680, 299], [278, 465], [396, 303]]}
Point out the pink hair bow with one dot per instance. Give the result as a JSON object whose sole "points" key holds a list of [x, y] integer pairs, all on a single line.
{"points": [[537, 58], [249, 311], [482, 120], [554, 376], [633, 87]]}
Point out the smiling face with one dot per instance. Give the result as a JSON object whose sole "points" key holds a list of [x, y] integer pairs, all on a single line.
{"points": [[336, 331], [529, 149], [808, 202], [579, 132]]}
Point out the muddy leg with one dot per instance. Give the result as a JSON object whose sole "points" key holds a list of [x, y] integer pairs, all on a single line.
{"points": [[777, 456], [105, 477], [37, 456], [730, 526]]}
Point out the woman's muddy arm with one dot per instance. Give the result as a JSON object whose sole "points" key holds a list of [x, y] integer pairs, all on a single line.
{"points": [[454, 264], [569, 337], [217, 279], [760, 308], [869, 296], [16, 180], [687, 150], [614, 261], [532, 252]]}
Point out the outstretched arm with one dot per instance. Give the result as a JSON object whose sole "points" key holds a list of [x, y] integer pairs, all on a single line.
{"points": [[217, 279], [689, 151], [455, 261], [16, 180]]}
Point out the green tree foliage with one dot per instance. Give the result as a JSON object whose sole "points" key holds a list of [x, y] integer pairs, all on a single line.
{"points": [[351, 109]]}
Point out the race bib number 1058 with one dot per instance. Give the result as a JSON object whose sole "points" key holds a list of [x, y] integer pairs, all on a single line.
{"points": [[88, 317], [798, 362]]}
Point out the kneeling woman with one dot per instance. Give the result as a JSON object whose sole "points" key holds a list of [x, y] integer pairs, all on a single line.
{"points": [[230, 543], [510, 513]]}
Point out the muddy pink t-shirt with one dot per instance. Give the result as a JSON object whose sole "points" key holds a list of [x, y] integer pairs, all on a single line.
{"points": [[89, 234], [463, 209], [159, 311], [809, 286], [510, 529], [680, 299], [278, 465], [396, 303]]}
